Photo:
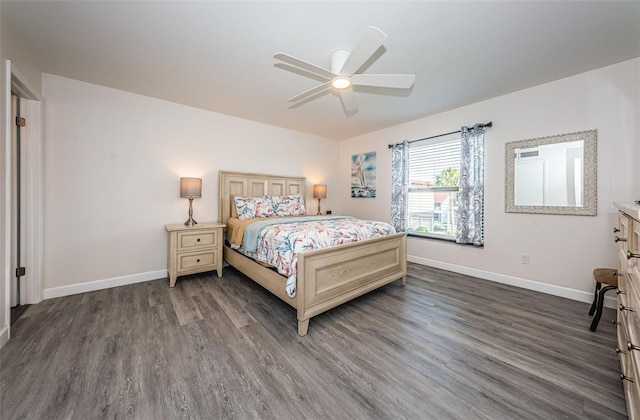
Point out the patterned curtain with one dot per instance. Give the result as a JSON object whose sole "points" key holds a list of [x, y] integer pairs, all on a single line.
{"points": [[400, 185], [471, 192]]}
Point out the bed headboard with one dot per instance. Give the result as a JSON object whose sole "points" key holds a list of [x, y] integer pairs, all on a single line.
{"points": [[240, 183]]}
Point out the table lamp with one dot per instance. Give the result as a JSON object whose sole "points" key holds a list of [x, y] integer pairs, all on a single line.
{"points": [[319, 191], [190, 188]]}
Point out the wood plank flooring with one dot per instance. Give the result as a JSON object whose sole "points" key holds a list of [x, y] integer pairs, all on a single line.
{"points": [[446, 346]]}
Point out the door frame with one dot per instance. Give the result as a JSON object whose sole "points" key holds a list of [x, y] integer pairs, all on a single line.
{"points": [[33, 187]]}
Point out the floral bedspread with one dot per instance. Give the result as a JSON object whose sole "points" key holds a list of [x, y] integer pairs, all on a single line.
{"points": [[278, 245]]}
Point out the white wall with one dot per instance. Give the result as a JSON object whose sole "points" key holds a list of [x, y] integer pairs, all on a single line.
{"points": [[563, 249], [112, 166], [10, 49], [113, 160]]}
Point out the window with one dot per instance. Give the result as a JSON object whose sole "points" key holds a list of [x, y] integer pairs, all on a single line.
{"points": [[434, 179], [437, 186]]}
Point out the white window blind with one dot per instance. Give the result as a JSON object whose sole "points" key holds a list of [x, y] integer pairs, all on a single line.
{"points": [[434, 168]]}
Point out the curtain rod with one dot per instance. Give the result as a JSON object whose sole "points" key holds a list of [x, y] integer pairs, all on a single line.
{"points": [[489, 124]]}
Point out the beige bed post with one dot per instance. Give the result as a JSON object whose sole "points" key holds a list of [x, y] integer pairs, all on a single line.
{"points": [[303, 327], [301, 306]]}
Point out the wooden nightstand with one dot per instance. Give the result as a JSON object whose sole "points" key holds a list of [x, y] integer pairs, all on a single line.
{"points": [[194, 249]]}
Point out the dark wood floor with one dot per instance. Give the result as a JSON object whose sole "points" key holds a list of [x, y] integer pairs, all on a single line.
{"points": [[447, 346]]}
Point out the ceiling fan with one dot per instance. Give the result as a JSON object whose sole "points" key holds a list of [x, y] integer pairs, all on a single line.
{"points": [[344, 67]]}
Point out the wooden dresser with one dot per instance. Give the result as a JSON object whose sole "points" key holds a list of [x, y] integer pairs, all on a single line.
{"points": [[627, 236]]}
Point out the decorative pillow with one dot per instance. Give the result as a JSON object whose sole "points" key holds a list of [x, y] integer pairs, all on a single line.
{"points": [[253, 207], [234, 209], [288, 205]]}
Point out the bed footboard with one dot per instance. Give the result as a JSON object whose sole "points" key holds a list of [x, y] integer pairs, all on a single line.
{"points": [[331, 276]]}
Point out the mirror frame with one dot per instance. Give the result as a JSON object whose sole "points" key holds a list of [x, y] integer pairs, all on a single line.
{"points": [[590, 166]]}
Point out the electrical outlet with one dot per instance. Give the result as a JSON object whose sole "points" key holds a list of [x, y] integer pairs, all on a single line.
{"points": [[524, 259]]}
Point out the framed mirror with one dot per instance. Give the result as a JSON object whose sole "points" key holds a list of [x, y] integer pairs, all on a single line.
{"points": [[552, 175]]}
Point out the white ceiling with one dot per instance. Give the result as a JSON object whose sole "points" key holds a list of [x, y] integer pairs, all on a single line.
{"points": [[219, 55]]}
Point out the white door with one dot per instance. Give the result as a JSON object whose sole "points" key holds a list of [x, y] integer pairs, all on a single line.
{"points": [[18, 207]]}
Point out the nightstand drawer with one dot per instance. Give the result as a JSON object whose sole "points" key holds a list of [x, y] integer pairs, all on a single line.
{"points": [[192, 261], [190, 240]]}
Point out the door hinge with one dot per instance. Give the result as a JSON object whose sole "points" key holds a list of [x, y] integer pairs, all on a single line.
{"points": [[21, 122], [21, 271]]}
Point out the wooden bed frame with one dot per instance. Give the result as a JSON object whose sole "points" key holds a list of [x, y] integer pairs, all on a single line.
{"points": [[327, 277]]}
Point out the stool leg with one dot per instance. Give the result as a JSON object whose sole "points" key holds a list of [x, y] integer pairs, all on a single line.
{"points": [[595, 298], [596, 319]]}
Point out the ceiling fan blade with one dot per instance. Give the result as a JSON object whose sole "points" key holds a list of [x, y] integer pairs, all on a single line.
{"points": [[368, 44], [348, 100], [304, 65], [310, 92], [400, 81]]}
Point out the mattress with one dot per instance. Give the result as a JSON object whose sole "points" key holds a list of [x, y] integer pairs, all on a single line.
{"points": [[278, 241]]}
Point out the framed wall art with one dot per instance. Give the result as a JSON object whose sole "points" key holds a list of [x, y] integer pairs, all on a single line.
{"points": [[363, 175]]}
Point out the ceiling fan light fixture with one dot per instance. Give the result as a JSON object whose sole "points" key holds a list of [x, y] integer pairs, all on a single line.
{"points": [[341, 83]]}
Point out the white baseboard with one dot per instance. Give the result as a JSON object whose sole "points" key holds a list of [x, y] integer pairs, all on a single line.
{"points": [[4, 335], [91, 286], [551, 289]]}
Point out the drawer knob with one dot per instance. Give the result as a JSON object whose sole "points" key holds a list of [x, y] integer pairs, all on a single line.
{"points": [[620, 239], [632, 255], [624, 308], [623, 377], [616, 230], [620, 292], [620, 351], [198, 260], [199, 239], [631, 346]]}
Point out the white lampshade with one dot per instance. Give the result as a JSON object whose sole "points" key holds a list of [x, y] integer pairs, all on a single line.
{"points": [[190, 187], [319, 191]]}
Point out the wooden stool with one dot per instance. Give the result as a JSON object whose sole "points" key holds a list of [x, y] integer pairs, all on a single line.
{"points": [[607, 276]]}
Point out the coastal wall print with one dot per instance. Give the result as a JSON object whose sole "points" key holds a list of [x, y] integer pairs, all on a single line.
{"points": [[363, 175]]}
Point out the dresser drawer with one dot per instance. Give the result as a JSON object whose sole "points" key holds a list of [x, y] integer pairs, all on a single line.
{"points": [[191, 240], [624, 225], [631, 385], [629, 343], [630, 314], [629, 376], [197, 260], [634, 245]]}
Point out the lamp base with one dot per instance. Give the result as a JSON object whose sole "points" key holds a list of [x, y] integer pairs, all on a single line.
{"points": [[190, 221], [318, 208]]}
